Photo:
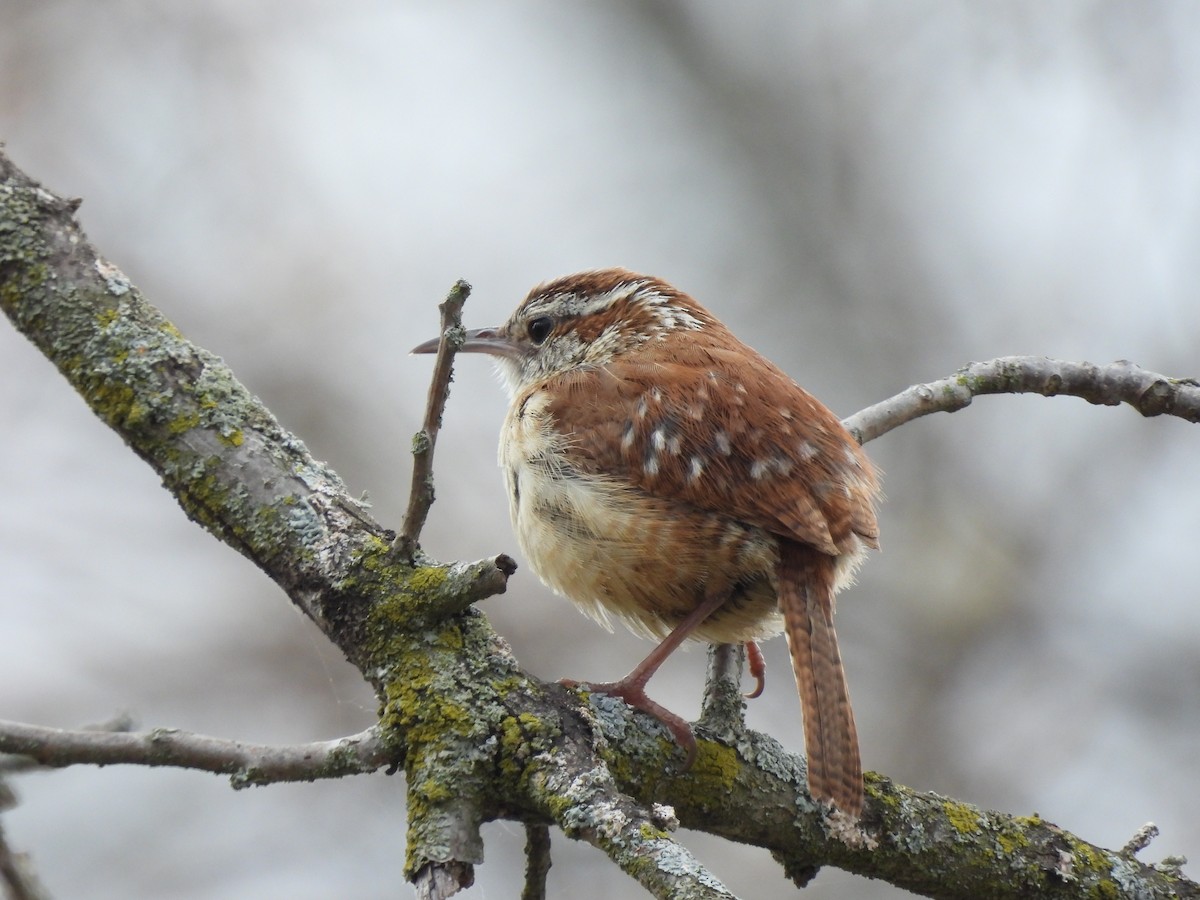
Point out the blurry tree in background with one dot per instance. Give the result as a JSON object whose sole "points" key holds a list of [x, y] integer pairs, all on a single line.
{"points": [[871, 193]]}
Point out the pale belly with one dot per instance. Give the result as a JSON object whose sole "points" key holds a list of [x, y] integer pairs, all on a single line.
{"points": [[617, 553]]}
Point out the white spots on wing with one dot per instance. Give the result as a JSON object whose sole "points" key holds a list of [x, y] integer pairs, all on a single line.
{"points": [[628, 436], [661, 441], [852, 458], [643, 406], [656, 395], [807, 450], [696, 468], [761, 469], [740, 388], [786, 413], [695, 412], [722, 443]]}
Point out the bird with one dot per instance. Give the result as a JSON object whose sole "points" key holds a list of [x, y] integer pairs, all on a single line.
{"points": [[662, 473]]}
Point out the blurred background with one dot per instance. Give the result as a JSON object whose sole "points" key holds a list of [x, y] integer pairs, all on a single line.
{"points": [[873, 194]]}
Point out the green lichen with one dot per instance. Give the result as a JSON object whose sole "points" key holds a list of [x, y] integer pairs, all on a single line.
{"points": [[965, 819], [234, 438], [184, 423], [1012, 840], [421, 709], [410, 601], [650, 833], [1087, 862], [717, 765], [116, 403], [427, 578], [431, 791], [521, 738], [202, 499]]}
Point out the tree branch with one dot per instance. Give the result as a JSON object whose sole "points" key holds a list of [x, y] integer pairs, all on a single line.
{"points": [[477, 737], [1149, 393], [537, 861], [246, 764], [420, 496]]}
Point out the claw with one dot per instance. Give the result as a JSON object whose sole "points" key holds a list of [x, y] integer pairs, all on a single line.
{"points": [[758, 669]]}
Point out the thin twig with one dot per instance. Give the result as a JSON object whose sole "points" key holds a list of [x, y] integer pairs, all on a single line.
{"points": [[1148, 392], [1140, 840], [247, 764], [15, 763], [537, 861], [420, 496], [17, 877]]}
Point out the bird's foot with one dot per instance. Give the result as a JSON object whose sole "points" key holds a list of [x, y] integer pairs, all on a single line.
{"points": [[633, 692]]}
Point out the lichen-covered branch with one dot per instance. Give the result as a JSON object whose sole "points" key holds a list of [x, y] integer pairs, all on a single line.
{"points": [[1149, 393], [246, 764], [477, 737], [226, 459]]}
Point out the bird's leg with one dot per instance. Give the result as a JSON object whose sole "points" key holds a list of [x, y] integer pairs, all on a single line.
{"points": [[632, 688]]}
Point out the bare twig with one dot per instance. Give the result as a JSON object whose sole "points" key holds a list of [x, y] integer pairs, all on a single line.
{"points": [[17, 877], [537, 861], [1140, 840], [11, 763], [420, 497], [1149, 393], [246, 764]]}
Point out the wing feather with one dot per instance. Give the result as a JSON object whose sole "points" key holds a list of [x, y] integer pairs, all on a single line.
{"points": [[724, 430]]}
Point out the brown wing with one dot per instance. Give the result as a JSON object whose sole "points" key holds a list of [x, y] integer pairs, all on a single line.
{"points": [[717, 425]]}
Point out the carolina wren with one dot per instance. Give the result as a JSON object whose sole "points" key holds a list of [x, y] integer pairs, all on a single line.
{"points": [[663, 473]]}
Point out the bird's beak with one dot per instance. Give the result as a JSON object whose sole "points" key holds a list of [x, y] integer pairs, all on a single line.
{"points": [[481, 340]]}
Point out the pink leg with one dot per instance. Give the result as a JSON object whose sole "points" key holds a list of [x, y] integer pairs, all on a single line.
{"points": [[758, 669], [632, 688]]}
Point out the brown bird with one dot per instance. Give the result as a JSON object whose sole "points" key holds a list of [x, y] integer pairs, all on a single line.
{"points": [[663, 473]]}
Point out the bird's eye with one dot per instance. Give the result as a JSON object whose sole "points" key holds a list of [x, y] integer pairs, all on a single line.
{"points": [[540, 328]]}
